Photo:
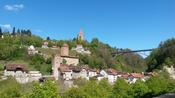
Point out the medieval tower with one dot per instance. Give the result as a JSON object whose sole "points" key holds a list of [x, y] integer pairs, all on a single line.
{"points": [[65, 50], [55, 66]]}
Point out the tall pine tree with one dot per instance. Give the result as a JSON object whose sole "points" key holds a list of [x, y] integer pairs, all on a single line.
{"points": [[48, 38], [18, 32], [29, 33], [1, 32], [13, 32]]}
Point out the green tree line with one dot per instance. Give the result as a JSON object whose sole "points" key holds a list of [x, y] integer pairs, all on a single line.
{"points": [[154, 86]]}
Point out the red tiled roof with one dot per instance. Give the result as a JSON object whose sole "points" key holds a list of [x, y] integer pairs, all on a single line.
{"points": [[14, 67], [137, 75], [64, 68]]}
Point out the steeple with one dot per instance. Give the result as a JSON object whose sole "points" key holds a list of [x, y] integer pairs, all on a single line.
{"points": [[81, 35]]}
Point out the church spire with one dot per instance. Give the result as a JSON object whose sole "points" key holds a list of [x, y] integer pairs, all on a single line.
{"points": [[81, 35]]}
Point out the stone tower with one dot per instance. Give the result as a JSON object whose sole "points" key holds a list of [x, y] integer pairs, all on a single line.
{"points": [[65, 50], [81, 35], [55, 66]]}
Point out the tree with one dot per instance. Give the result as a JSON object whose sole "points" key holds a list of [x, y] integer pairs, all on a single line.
{"points": [[94, 42], [29, 33], [64, 61], [163, 55], [48, 89], [120, 89], [157, 85], [75, 93], [139, 89], [168, 61], [105, 88], [48, 38], [13, 32], [1, 32], [9, 88], [18, 32]]}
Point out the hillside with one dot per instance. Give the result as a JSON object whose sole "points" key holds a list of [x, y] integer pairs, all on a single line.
{"points": [[14, 49], [162, 56]]}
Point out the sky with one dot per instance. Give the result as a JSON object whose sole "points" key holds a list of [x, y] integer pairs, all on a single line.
{"points": [[134, 24]]}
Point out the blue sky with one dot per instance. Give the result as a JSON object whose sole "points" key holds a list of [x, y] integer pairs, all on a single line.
{"points": [[134, 24]]}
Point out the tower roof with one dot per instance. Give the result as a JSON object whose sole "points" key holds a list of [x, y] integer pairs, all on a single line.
{"points": [[65, 45], [81, 32]]}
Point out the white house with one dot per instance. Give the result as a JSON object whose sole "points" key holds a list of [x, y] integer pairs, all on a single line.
{"points": [[31, 50], [45, 44], [104, 73], [92, 73], [112, 78], [84, 73], [79, 72], [80, 49]]}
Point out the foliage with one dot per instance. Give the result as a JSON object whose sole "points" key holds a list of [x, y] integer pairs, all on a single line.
{"points": [[48, 89], [154, 86], [9, 88], [102, 57], [75, 93], [139, 89], [157, 85], [38, 62], [163, 55], [91, 89], [122, 89]]}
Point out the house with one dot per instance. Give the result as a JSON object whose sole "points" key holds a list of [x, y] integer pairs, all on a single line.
{"points": [[84, 73], [92, 73], [66, 72], [133, 77], [104, 73], [81, 50], [19, 71], [11, 69], [112, 75], [79, 72], [31, 50], [45, 44]]}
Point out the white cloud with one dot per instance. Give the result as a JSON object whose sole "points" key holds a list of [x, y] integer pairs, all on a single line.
{"points": [[5, 26], [15, 7]]}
